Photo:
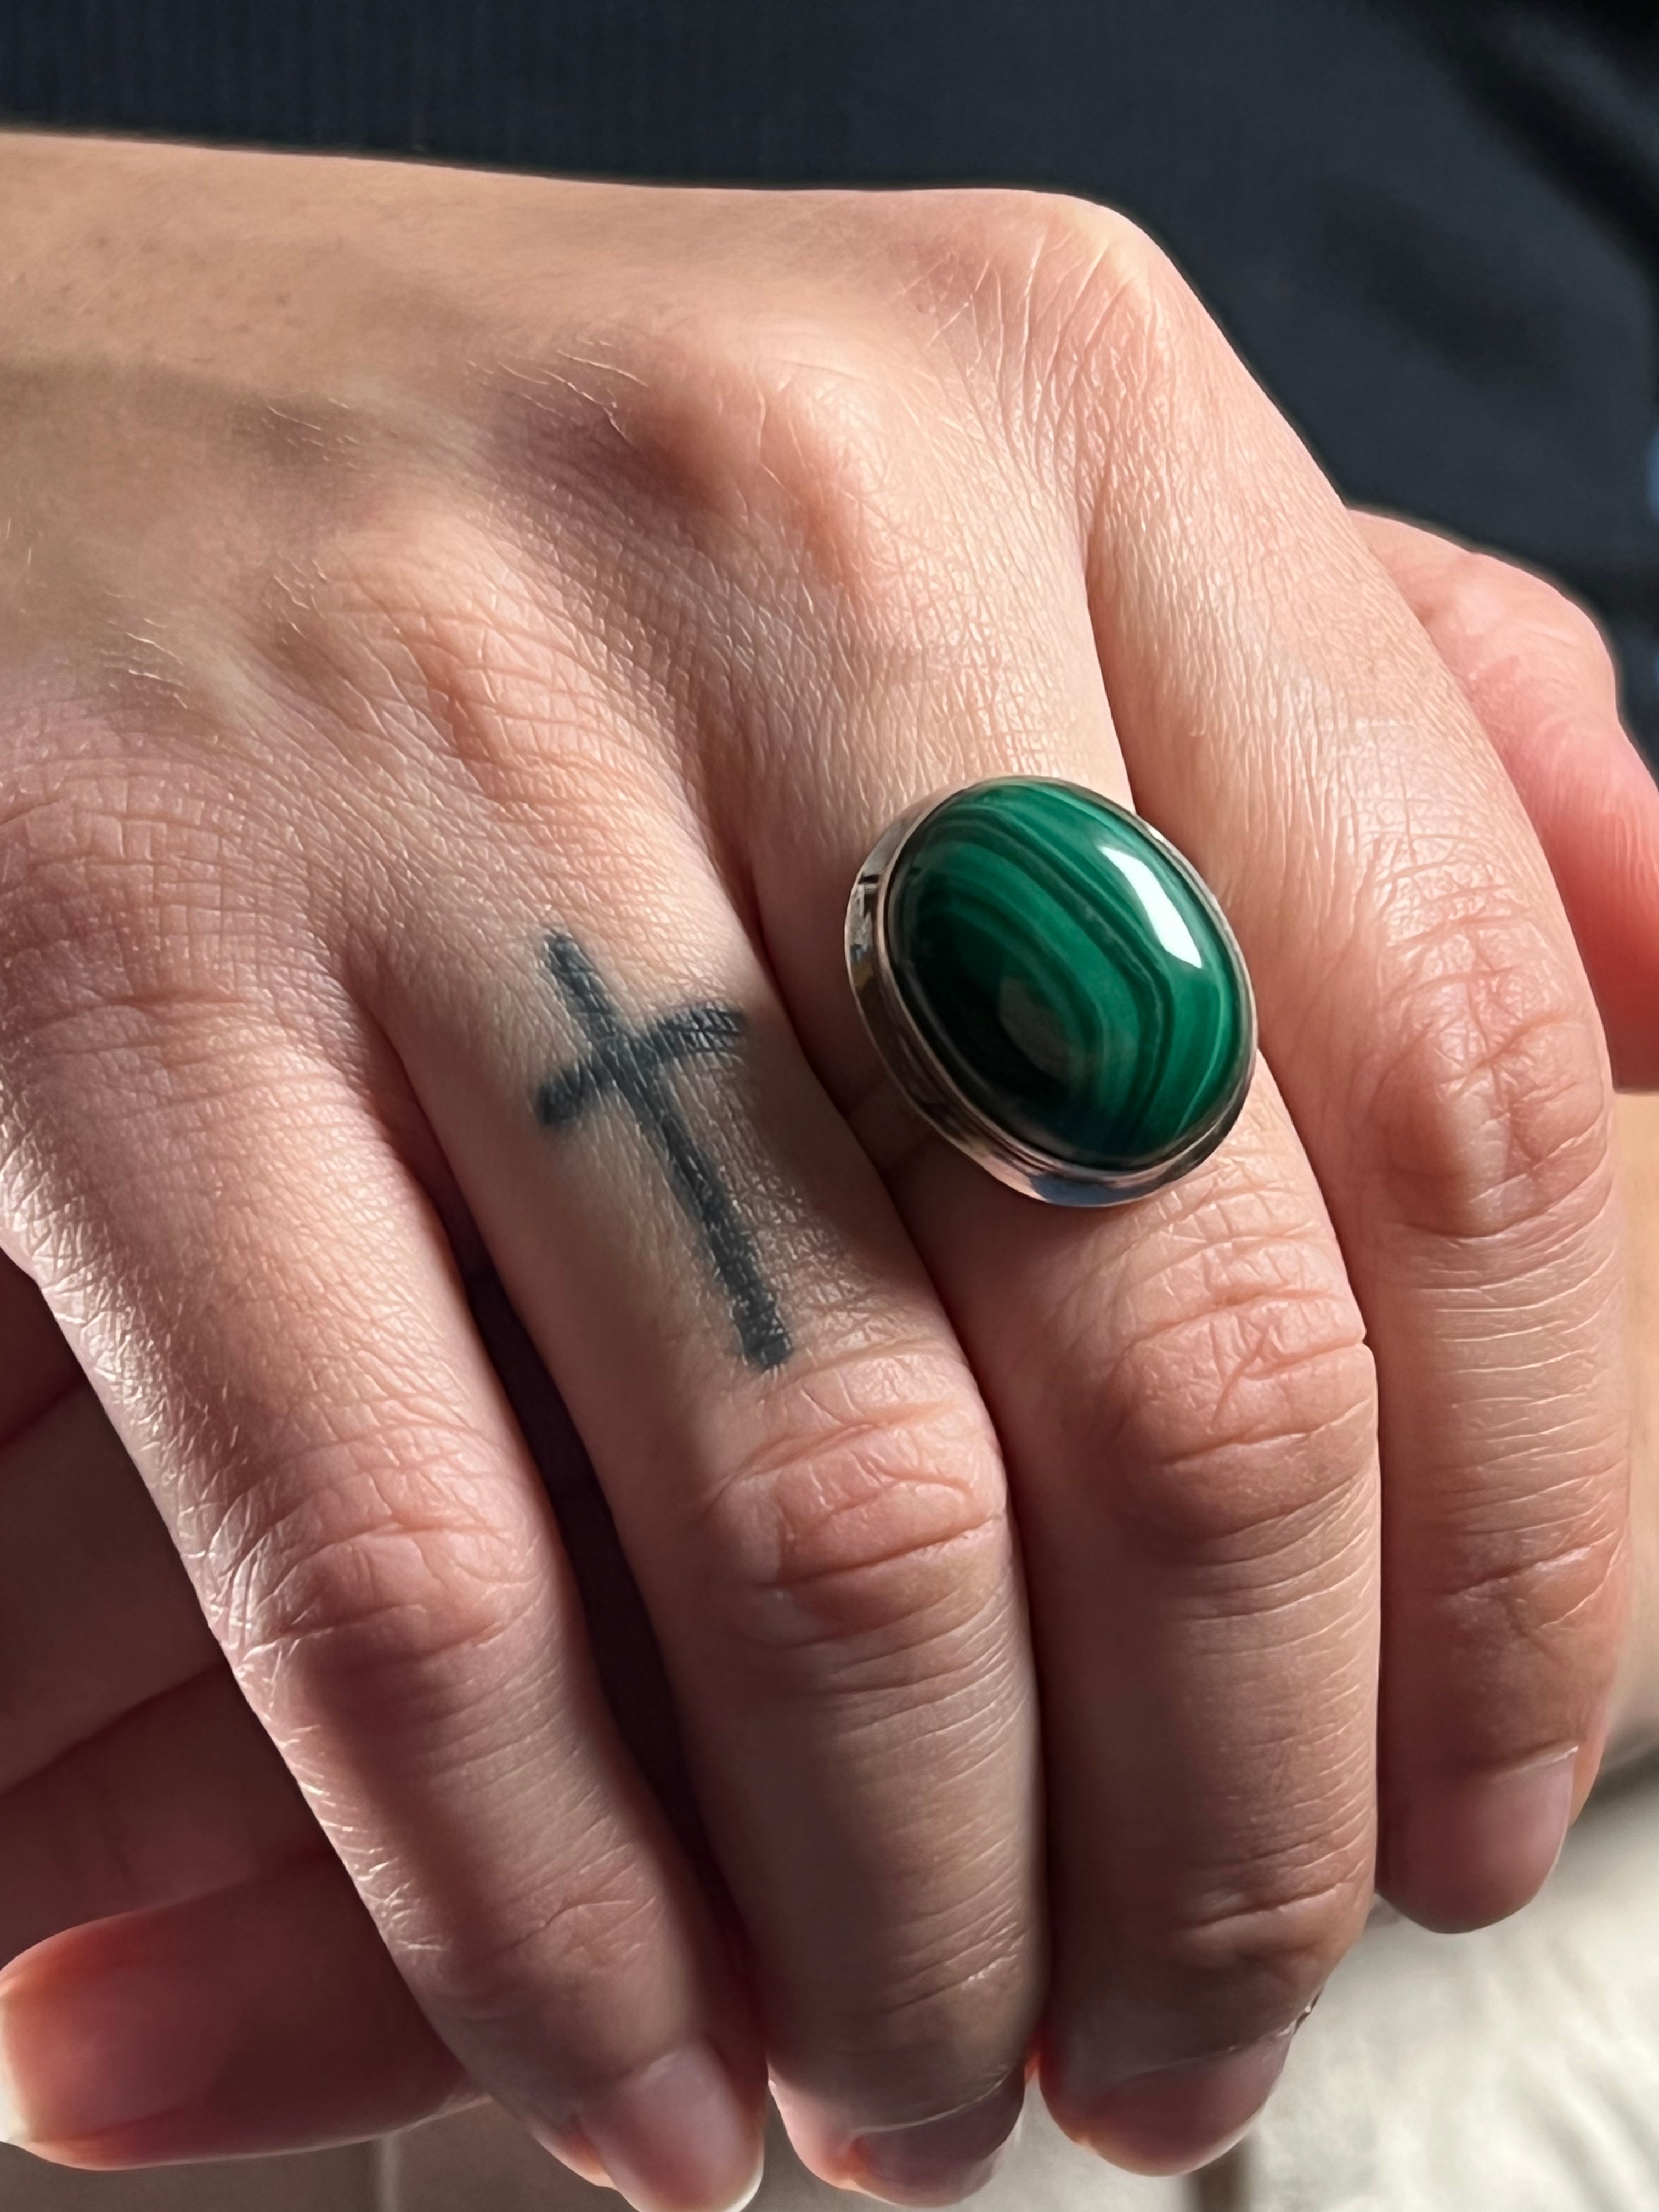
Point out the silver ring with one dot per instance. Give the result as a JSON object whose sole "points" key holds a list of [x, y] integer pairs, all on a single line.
{"points": [[1054, 987]]}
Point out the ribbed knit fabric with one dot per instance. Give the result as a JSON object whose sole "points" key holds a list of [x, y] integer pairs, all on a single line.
{"points": [[668, 87], [1431, 225]]}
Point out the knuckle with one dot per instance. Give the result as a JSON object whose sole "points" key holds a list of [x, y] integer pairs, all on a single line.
{"points": [[757, 451], [1020, 254], [1278, 1935], [1241, 1401], [1490, 1112], [554, 1950], [754, 420], [770, 433], [945, 2022], [1490, 598], [427, 601], [343, 1592], [870, 1514], [955, 1984], [1038, 290], [123, 894], [1551, 1585]]}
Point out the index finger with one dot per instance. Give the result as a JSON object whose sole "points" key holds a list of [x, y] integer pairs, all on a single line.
{"points": [[283, 1342]]}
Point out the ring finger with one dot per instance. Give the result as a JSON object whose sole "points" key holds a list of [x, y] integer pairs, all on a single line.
{"points": [[1451, 1094]]}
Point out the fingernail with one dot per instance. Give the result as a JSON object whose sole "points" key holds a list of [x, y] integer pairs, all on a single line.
{"points": [[940, 2161], [571, 2147], [1172, 2119], [1470, 1853], [676, 2137], [13, 2128], [106, 2051]]}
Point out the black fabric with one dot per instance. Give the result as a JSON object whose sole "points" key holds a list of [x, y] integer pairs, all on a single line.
{"points": [[1431, 225]]}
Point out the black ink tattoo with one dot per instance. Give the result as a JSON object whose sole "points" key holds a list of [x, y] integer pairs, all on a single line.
{"points": [[632, 1063]]}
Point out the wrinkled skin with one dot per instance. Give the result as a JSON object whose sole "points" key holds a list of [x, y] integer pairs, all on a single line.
{"points": [[399, 565]]}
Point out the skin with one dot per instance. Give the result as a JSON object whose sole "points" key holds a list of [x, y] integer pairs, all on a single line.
{"points": [[406, 570]]}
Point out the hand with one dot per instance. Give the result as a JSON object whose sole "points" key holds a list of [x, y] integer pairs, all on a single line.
{"points": [[171, 1805], [404, 565]]}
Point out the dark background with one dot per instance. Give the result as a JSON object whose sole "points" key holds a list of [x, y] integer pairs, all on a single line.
{"points": [[1432, 229]]}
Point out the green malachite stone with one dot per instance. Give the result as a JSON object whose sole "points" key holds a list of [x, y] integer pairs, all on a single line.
{"points": [[1069, 973]]}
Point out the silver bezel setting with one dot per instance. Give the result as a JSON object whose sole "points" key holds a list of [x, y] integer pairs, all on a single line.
{"points": [[930, 1089]]}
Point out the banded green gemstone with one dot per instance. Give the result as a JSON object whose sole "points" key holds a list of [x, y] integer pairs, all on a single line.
{"points": [[1070, 973]]}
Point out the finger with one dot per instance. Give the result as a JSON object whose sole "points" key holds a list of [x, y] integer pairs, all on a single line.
{"points": [[38, 1366], [183, 1795], [1635, 1731], [1288, 724], [97, 1614], [1184, 1400], [287, 1348], [1539, 676], [1188, 1412], [1232, 609], [801, 1469], [264, 2018], [1198, 1513]]}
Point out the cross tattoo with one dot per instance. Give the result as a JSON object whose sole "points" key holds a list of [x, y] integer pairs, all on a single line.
{"points": [[633, 1063]]}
